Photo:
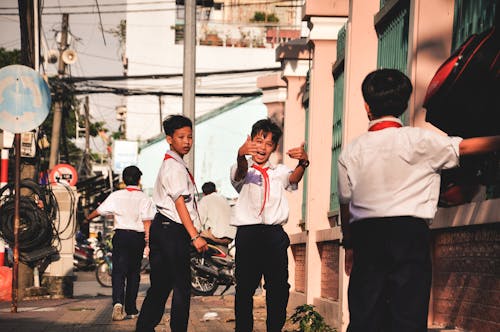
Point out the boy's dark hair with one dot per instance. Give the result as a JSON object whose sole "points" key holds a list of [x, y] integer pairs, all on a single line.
{"points": [[267, 126], [174, 122], [208, 188], [386, 91], [131, 175]]}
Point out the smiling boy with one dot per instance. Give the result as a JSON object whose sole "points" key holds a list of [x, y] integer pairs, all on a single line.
{"points": [[172, 232], [259, 214]]}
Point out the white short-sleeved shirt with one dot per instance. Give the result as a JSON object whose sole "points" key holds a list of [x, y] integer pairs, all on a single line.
{"points": [[395, 172], [251, 195], [172, 182], [130, 207], [215, 213]]}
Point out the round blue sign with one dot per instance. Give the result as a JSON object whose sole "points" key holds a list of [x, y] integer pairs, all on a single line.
{"points": [[24, 99]]}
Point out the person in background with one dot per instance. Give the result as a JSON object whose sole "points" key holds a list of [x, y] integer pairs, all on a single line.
{"points": [[172, 233], [389, 181], [133, 211], [215, 215], [259, 215]]}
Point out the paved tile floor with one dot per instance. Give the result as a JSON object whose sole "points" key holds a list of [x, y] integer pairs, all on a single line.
{"points": [[90, 311]]}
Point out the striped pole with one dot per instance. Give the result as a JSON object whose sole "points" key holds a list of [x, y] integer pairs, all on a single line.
{"points": [[4, 168]]}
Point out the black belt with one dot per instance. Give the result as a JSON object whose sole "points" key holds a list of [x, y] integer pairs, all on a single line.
{"points": [[128, 230], [160, 218]]}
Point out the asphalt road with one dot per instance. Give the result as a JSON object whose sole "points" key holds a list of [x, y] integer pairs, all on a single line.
{"points": [[87, 285]]}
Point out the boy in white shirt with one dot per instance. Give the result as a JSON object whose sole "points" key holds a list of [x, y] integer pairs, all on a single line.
{"points": [[133, 211], [215, 214], [172, 233], [389, 182], [259, 213]]}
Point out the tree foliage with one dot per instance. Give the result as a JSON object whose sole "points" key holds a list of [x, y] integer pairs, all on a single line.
{"points": [[69, 152], [9, 57], [264, 17], [309, 320]]}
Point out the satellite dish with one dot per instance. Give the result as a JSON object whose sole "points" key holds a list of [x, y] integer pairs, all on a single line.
{"points": [[52, 56], [69, 57]]}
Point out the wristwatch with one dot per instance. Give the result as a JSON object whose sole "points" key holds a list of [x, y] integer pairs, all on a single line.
{"points": [[304, 163]]}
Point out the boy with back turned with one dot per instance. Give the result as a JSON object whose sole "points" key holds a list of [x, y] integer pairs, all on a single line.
{"points": [[389, 182], [259, 214]]}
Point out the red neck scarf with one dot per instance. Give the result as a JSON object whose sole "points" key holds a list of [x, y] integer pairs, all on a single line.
{"points": [[167, 156], [384, 124], [265, 177], [132, 189]]}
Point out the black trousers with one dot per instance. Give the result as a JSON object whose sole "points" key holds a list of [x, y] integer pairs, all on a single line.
{"points": [[261, 250], [389, 287], [169, 246], [128, 247]]}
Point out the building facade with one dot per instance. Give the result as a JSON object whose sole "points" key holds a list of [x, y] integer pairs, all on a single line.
{"points": [[324, 107]]}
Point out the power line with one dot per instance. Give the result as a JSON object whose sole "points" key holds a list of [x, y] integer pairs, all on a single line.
{"points": [[61, 7], [101, 5], [102, 12], [160, 76], [123, 11], [128, 92]]}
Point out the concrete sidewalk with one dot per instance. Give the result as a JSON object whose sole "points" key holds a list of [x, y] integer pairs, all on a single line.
{"points": [[90, 311], [93, 314]]}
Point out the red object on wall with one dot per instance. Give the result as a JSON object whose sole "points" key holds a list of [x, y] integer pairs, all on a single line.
{"points": [[4, 167], [5, 283], [63, 173]]}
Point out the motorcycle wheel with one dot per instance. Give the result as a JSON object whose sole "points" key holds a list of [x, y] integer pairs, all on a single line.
{"points": [[145, 267], [103, 274], [201, 284]]}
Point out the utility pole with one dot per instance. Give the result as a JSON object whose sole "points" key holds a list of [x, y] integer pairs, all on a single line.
{"points": [[188, 86], [85, 168], [22, 275], [87, 130], [160, 102], [57, 120]]}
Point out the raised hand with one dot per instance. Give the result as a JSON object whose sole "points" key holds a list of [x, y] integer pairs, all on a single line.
{"points": [[298, 153], [248, 148]]}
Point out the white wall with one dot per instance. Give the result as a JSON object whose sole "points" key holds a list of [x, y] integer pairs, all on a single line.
{"points": [[217, 142], [151, 49]]}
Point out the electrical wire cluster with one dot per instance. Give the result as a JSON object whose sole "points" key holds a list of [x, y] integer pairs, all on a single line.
{"points": [[122, 85], [38, 235]]}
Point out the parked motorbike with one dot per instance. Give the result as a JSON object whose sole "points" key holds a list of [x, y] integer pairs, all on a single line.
{"points": [[104, 265], [83, 257], [211, 269]]}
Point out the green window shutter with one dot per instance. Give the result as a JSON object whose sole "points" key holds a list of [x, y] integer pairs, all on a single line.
{"points": [[472, 17], [305, 103], [338, 107], [341, 43], [338, 92], [392, 23], [392, 32]]}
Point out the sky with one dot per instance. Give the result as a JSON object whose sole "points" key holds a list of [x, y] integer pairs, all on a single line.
{"points": [[97, 55]]}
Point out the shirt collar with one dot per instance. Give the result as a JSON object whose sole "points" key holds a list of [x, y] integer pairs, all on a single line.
{"points": [[133, 187], [388, 118], [267, 164], [176, 156]]}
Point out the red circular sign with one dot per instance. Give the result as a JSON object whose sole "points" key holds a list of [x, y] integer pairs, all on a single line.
{"points": [[63, 173]]}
